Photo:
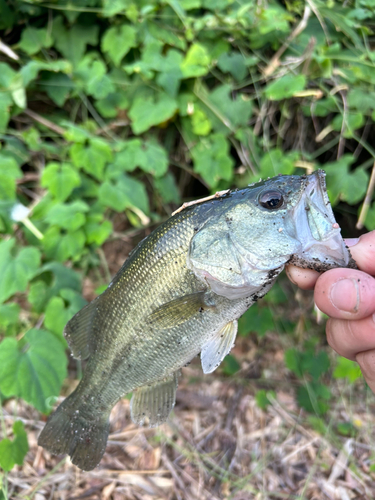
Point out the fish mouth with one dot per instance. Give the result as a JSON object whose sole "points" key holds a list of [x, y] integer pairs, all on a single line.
{"points": [[322, 246]]}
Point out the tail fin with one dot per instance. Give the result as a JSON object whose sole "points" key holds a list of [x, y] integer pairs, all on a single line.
{"points": [[67, 431]]}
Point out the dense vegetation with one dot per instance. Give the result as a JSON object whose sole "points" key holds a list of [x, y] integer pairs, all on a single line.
{"points": [[114, 112]]}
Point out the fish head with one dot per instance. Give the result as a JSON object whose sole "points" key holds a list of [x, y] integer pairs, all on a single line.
{"points": [[248, 239]]}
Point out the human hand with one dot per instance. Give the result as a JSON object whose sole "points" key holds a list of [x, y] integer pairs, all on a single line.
{"points": [[347, 296]]}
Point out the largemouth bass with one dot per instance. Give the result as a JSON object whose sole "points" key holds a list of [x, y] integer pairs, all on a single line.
{"points": [[180, 294]]}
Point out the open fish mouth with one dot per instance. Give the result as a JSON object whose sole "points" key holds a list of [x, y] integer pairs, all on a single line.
{"points": [[313, 224]]}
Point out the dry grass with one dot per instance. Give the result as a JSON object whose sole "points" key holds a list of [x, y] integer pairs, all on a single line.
{"points": [[217, 445]]}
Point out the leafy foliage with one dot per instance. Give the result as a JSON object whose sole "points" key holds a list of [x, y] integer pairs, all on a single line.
{"points": [[311, 366], [13, 452], [112, 111]]}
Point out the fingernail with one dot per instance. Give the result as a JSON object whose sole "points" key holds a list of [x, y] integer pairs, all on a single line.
{"points": [[345, 295], [350, 242]]}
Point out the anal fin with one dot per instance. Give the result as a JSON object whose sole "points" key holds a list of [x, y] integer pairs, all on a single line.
{"points": [[217, 348], [77, 330], [152, 404]]}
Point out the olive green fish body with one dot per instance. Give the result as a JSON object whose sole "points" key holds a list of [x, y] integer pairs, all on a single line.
{"points": [[179, 294], [125, 328]]}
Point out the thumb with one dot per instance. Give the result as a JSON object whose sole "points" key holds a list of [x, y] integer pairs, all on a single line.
{"points": [[345, 294]]}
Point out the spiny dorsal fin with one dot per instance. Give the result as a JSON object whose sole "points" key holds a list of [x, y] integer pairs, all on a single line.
{"points": [[178, 311], [152, 404], [217, 348], [77, 330]]}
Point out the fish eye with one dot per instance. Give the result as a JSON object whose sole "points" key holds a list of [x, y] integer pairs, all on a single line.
{"points": [[271, 200]]}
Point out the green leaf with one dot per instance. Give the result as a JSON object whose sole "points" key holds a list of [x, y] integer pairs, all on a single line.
{"points": [[14, 452], [38, 296], [285, 87], [117, 41], [349, 186], [277, 162], [353, 122], [125, 193], [5, 104], [318, 424], [319, 365], [8, 16], [60, 179], [33, 368], [99, 84], [200, 121], [256, 319], [72, 42], [74, 133], [230, 365], [33, 39], [56, 317], [68, 216], [148, 155], [98, 233], [292, 360], [346, 428], [113, 7], [370, 218], [225, 113], [313, 398], [322, 107], [6, 455], [52, 278], [233, 63], [9, 314], [57, 86], [167, 188], [262, 398], [112, 104], [346, 368], [361, 99], [146, 112], [31, 70], [16, 270], [212, 160], [190, 4], [92, 158], [216, 4], [7, 76], [9, 172], [59, 246], [196, 62]]}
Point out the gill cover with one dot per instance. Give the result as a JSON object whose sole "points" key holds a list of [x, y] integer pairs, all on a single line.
{"points": [[234, 252]]}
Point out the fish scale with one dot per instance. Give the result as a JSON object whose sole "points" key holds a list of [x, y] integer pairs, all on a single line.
{"points": [[179, 294]]}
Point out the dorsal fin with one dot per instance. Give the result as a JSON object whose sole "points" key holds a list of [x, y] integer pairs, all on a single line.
{"points": [[77, 330]]}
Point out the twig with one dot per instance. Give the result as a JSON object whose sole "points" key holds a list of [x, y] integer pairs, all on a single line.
{"points": [[367, 201], [275, 61], [43, 121], [112, 126], [341, 145], [8, 51]]}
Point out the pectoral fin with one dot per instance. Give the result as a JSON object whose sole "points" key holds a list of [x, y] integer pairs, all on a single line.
{"points": [[215, 351], [178, 311], [154, 402]]}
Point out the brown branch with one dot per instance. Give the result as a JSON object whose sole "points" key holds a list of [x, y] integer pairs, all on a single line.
{"points": [[43, 121], [275, 61]]}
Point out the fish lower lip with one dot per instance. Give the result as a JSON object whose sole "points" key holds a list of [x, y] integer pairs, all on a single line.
{"points": [[322, 239]]}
